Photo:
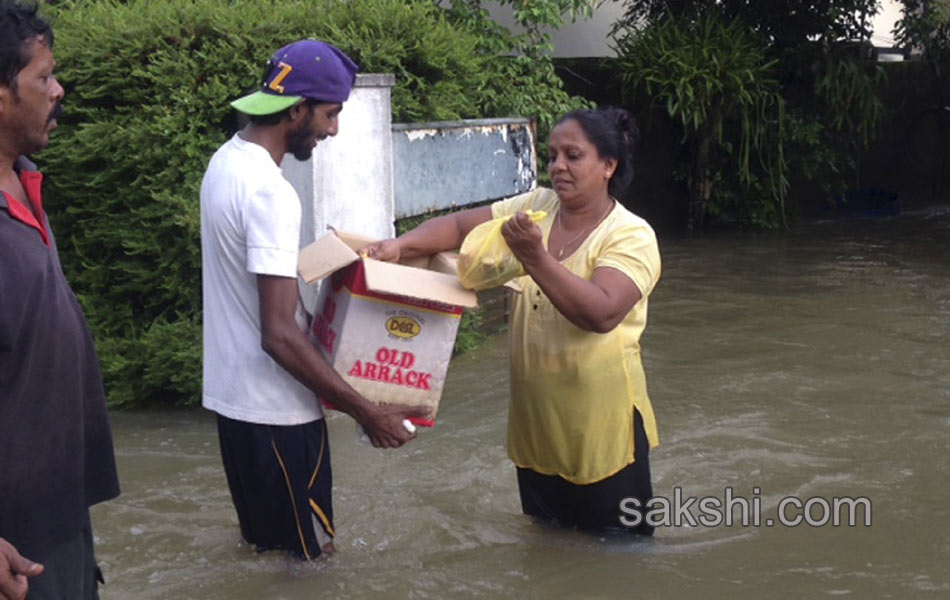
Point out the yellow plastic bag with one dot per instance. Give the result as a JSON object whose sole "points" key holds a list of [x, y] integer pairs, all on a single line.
{"points": [[485, 260]]}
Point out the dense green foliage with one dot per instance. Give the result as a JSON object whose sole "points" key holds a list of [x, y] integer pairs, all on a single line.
{"points": [[148, 85], [704, 71], [811, 55], [787, 23], [925, 28], [530, 64]]}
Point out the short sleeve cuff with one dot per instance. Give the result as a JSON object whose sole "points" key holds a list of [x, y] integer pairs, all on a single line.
{"points": [[272, 261], [537, 199], [639, 275]]}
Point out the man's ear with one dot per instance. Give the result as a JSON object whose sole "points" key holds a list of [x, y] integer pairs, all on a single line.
{"points": [[6, 97], [299, 111]]}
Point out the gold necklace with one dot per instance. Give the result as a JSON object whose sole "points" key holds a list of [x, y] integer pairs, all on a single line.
{"points": [[567, 245]]}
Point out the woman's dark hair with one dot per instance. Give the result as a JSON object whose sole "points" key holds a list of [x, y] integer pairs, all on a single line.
{"points": [[19, 23], [613, 131]]}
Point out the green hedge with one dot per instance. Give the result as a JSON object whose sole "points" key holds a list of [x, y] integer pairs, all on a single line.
{"points": [[147, 91]]}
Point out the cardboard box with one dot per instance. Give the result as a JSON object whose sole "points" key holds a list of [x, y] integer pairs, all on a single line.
{"points": [[388, 329]]}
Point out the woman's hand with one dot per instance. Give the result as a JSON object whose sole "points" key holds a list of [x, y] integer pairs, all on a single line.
{"points": [[524, 238], [385, 250], [432, 236]]}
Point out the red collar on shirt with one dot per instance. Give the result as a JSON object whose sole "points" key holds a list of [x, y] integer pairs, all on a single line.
{"points": [[32, 182]]}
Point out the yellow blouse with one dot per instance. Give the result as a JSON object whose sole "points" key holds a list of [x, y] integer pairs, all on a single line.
{"points": [[573, 392]]}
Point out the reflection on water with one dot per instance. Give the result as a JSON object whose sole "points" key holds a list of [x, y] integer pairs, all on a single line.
{"points": [[811, 363]]}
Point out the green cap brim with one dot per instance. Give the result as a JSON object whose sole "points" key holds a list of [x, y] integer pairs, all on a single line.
{"points": [[260, 103]]}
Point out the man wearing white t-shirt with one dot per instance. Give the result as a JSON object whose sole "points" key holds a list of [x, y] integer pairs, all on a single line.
{"points": [[261, 373]]}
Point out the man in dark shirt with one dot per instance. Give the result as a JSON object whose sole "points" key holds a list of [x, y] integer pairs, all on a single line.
{"points": [[56, 457]]}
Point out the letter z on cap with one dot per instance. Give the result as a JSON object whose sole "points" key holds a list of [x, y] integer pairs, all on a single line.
{"points": [[304, 69]]}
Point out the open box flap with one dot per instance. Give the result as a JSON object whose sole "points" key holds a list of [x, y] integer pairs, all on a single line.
{"points": [[401, 280], [327, 254], [444, 262], [428, 279], [353, 240]]}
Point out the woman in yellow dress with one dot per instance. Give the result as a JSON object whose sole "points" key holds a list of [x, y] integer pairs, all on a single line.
{"points": [[580, 422]]}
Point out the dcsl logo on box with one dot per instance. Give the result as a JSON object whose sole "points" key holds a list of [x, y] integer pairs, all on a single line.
{"points": [[404, 327]]}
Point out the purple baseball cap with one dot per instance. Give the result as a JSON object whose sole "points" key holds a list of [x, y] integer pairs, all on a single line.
{"points": [[304, 69]]}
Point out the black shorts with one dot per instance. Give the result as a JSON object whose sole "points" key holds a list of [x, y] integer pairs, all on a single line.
{"points": [[281, 484], [596, 506]]}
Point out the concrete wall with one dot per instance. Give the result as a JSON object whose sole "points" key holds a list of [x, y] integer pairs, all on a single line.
{"points": [[348, 184], [441, 165]]}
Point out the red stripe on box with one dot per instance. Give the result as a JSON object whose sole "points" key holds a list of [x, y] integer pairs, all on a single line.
{"points": [[353, 278]]}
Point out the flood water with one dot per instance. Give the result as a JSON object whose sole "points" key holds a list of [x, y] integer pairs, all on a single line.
{"points": [[806, 364]]}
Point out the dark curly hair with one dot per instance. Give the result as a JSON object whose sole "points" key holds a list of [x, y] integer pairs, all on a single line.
{"points": [[19, 23], [613, 131]]}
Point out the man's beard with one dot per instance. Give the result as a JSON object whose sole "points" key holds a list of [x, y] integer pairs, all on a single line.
{"points": [[300, 143]]}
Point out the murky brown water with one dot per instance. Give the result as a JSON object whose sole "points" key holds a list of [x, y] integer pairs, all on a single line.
{"points": [[808, 364]]}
